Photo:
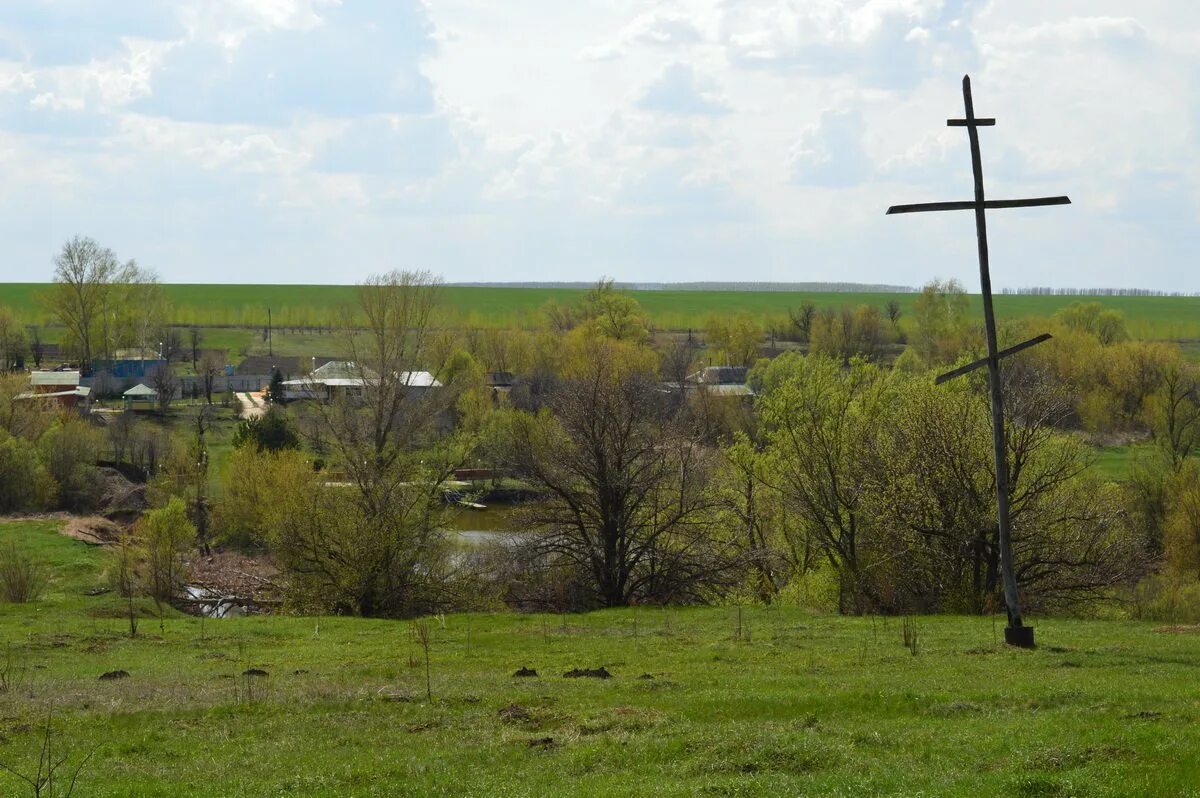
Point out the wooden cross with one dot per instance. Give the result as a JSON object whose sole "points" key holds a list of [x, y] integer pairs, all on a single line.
{"points": [[1017, 633]]}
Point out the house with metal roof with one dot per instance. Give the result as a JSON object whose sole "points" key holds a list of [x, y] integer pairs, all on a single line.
{"points": [[61, 387], [339, 378]]}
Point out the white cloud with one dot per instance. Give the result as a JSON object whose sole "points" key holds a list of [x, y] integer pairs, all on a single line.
{"points": [[679, 91], [674, 139]]}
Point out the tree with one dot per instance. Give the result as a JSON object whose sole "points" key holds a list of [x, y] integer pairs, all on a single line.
{"points": [[1173, 413], [24, 483], [627, 505], [36, 348], [941, 324], [737, 338], [258, 486], [822, 427], [848, 333], [614, 314], [69, 450], [270, 432], [83, 274], [165, 384], [12, 342], [376, 549], [1105, 325], [678, 361], [802, 319], [210, 368], [20, 415], [171, 345], [893, 312], [275, 391], [194, 338], [165, 536]]}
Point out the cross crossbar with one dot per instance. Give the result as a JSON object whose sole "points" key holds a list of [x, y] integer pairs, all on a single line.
{"points": [[970, 205], [984, 122], [983, 361]]}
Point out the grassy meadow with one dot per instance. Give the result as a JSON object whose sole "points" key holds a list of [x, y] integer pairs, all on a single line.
{"points": [[1168, 318], [713, 701]]}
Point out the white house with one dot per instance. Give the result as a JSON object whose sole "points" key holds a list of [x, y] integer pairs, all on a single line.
{"points": [[346, 378]]}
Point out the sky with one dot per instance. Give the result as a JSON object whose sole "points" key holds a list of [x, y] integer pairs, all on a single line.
{"points": [[320, 141]]}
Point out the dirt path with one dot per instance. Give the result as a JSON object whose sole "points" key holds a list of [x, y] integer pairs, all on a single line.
{"points": [[253, 404]]}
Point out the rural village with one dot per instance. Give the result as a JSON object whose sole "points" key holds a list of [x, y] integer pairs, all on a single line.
{"points": [[334, 463]]}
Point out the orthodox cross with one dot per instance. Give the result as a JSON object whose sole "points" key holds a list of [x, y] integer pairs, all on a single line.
{"points": [[1016, 633]]}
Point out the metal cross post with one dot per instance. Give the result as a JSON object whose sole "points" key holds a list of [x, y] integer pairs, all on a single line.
{"points": [[1016, 633]]}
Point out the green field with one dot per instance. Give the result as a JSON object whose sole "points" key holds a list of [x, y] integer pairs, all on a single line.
{"points": [[1171, 318], [796, 704]]}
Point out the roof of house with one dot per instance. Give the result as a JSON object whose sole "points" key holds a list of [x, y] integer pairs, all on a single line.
{"points": [[141, 390], [499, 379], [345, 374], [267, 364], [719, 375], [54, 378], [81, 391], [341, 370]]}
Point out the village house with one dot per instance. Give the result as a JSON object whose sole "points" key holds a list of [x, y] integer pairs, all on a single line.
{"points": [[59, 386], [720, 380], [344, 378]]}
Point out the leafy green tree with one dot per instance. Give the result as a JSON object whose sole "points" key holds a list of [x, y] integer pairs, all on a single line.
{"points": [[941, 324], [275, 390], [614, 314], [271, 432], [69, 450], [736, 338], [1104, 324], [165, 536], [25, 484], [823, 427]]}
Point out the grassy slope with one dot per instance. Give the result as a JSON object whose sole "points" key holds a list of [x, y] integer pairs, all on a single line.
{"points": [[1149, 317], [810, 705]]}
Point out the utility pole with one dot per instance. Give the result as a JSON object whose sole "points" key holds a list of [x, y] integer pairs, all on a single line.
{"points": [[1016, 633]]}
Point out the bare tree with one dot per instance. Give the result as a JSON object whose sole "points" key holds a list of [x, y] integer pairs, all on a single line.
{"points": [[678, 360], [12, 342], [628, 505], [378, 554], [83, 274], [802, 319], [210, 367], [892, 309], [194, 338], [171, 343], [36, 348], [165, 383]]}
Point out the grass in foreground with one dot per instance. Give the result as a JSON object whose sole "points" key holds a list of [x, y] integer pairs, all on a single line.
{"points": [[794, 704]]}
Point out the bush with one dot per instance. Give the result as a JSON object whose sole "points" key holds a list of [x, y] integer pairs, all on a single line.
{"points": [[21, 579], [1166, 598], [24, 483], [271, 432], [70, 450]]}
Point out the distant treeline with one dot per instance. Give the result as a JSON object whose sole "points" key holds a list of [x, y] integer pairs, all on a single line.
{"points": [[1042, 290], [862, 288]]}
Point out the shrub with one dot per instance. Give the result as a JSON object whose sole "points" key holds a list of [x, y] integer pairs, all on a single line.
{"points": [[271, 432], [24, 483], [70, 450], [21, 579]]}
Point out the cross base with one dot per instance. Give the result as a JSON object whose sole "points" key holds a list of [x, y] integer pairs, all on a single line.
{"points": [[1019, 636]]}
